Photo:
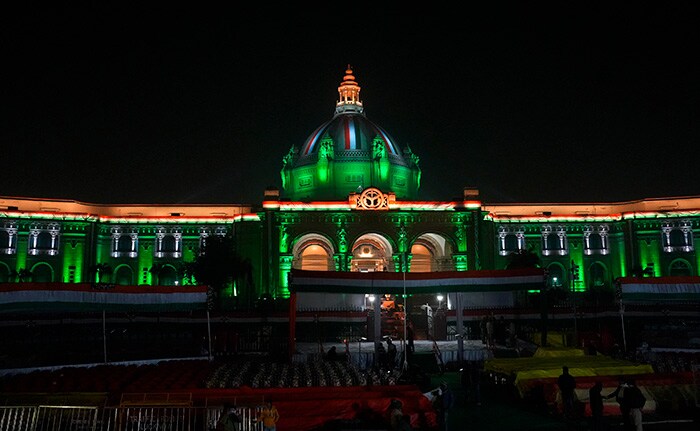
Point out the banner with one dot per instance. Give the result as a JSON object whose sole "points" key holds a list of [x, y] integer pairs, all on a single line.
{"points": [[82, 297], [416, 282], [654, 289]]}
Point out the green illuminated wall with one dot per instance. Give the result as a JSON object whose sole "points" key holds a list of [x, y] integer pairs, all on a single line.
{"points": [[335, 180]]}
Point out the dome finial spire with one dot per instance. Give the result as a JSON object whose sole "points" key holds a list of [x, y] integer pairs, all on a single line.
{"points": [[349, 95]]}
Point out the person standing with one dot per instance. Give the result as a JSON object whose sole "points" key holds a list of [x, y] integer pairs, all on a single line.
{"points": [[567, 386], [269, 417], [620, 395], [448, 401], [409, 337], [490, 323], [595, 398], [635, 401], [390, 354]]}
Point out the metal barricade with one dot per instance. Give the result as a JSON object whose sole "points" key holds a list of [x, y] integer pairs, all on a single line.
{"points": [[18, 418], [59, 418], [89, 418]]}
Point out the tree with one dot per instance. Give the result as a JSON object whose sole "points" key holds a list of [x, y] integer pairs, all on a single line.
{"points": [[523, 258], [218, 265], [21, 275]]}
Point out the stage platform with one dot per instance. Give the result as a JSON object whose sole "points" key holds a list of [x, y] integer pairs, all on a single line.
{"points": [[362, 353]]}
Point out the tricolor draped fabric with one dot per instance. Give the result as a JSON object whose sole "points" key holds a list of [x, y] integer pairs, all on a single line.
{"points": [[416, 282], [26, 297], [659, 289]]}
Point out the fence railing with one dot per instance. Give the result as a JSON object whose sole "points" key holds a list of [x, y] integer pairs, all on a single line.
{"points": [[142, 418]]}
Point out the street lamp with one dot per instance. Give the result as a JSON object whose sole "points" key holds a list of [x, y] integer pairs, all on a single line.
{"points": [[440, 298]]}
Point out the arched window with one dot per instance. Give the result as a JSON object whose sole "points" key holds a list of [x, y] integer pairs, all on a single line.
{"points": [[680, 267], [510, 240], [8, 237], [597, 275], [42, 273], [557, 275], [168, 245], [125, 242], [4, 273], [167, 276], [43, 239], [677, 236], [168, 242], [554, 241], [595, 239], [124, 276], [205, 232]]}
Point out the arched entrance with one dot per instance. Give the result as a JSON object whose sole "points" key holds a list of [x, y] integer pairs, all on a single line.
{"points": [[313, 252], [371, 253]]}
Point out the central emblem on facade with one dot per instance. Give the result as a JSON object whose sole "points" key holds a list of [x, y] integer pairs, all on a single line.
{"points": [[372, 199]]}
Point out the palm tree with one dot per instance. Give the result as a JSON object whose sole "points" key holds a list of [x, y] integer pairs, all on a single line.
{"points": [[21, 275]]}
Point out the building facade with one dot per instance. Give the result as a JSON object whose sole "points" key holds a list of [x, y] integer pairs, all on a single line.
{"points": [[349, 202]]}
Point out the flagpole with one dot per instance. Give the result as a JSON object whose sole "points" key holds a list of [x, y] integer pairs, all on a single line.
{"points": [[405, 314]]}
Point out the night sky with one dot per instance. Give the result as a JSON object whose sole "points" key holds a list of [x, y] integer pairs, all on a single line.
{"points": [[568, 102]]}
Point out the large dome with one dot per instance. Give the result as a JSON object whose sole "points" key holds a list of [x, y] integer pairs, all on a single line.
{"points": [[347, 154]]}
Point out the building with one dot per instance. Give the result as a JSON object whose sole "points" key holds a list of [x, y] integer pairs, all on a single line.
{"points": [[349, 203]]}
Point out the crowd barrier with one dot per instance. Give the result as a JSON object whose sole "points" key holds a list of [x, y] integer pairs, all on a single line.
{"points": [[90, 418]]}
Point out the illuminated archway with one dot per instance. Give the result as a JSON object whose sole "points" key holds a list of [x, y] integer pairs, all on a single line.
{"points": [[431, 253], [371, 253], [313, 252], [557, 275]]}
